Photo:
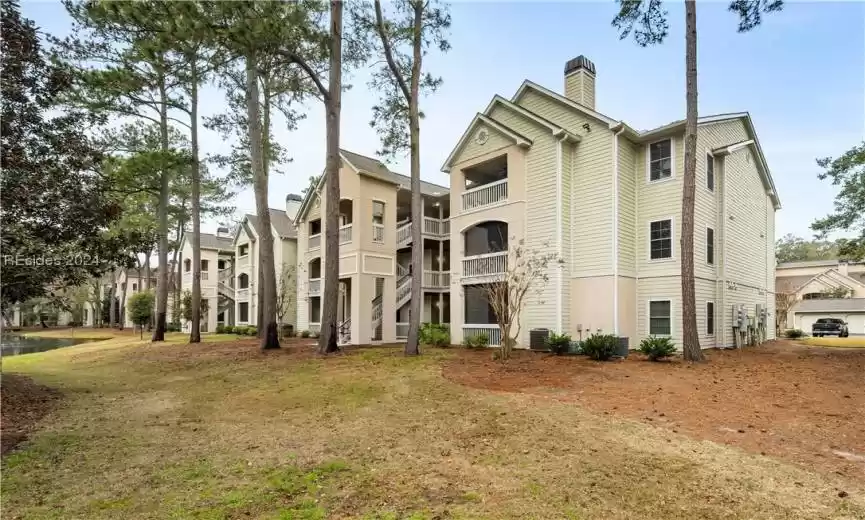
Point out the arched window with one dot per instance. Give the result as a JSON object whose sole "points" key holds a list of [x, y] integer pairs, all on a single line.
{"points": [[315, 269], [243, 281]]}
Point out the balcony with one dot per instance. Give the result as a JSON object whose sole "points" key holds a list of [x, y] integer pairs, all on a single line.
{"points": [[345, 234], [485, 195], [242, 294], [490, 264], [378, 233], [315, 241], [436, 279], [187, 277], [403, 233], [402, 330], [314, 286], [436, 227]]}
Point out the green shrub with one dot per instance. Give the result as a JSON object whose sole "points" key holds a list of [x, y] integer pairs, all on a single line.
{"points": [[220, 329], [477, 341], [657, 348], [435, 334], [793, 333], [601, 347], [172, 327], [305, 334], [229, 329], [251, 331], [558, 343]]}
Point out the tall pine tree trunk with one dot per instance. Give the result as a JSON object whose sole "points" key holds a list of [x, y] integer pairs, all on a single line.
{"points": [[327, 341], [690, 336], [412, 345], [195, 330], [162, 209], [265, 166], [270, 339]]}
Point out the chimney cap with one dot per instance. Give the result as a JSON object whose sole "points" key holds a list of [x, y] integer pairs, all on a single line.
{"points": [[580, 62], [293, 196]]}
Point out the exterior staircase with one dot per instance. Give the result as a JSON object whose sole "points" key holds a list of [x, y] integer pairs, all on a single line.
{"points": [[343, 332], [225, 283], [376, 312], [403, 234], [403, 291]]}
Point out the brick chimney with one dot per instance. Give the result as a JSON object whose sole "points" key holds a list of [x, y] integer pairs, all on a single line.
{"points": [[580, 81]]}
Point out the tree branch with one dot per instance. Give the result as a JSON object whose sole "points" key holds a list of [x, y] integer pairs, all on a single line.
{"points": [[388, 52]]}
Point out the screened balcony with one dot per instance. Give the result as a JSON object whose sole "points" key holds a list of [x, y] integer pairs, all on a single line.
{"points": [[485, 250], [485, 184]]}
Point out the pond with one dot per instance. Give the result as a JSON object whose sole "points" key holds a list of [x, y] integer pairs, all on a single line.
{"points": [[14, 344]]}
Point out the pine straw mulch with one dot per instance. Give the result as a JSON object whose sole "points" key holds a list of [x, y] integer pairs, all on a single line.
{"points": [[799, 403], [24, 403]]}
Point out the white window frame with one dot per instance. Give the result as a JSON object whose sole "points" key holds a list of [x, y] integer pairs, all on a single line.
{"points": [[240, 253], [649, 317], [672, 161], [710, 228], [710, 155], [714, 318], [672, 240], [383, 210]]}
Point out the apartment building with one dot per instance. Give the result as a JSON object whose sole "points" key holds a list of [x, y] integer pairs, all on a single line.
{"points": [[548, 169], [375, 247], [217, 277], [246, 246]]}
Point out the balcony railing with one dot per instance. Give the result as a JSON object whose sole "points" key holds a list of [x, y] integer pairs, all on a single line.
{"points": [[242, 294], [187, 277], [345, 234], [401, 270], [491, 331], [434, 226], [243, 261], [378, 233], [402, 330], [485, 265], [403, 232], [485, 195], [315, 328], [436, 279], [314, 286], [315, 241]]}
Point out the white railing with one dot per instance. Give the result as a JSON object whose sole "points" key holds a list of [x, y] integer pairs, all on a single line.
{"points": [[485, 195], [378, 233], [403, 290], [432, 226], [492, 332], [315, 327], [485, 265], [187, 277], [403, 233], [242, 294], [446, 227], [402, 330], [226, 275], [315, 241], [345, 234], [401, 271], [436, 279], [243, 260], [314, 286], [376, 313]]}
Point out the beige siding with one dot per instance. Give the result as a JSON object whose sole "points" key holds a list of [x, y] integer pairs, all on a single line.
{"points": [[540, 209], [658, 200], [627, 208], [660, 288], [770, 272], [592, 305], [472, 148], [746, 223], [592, 185]]}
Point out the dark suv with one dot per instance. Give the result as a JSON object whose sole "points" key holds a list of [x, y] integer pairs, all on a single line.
{"points": [[830, 327]]}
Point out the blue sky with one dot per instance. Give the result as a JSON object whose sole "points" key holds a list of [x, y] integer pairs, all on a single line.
{"points": [[801, 75]]}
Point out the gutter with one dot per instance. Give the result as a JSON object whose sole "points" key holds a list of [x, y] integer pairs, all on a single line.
{"points": [[560, 224], [617, 129]]}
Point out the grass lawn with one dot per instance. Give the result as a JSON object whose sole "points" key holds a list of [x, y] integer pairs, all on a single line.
{"points": [[222, 430], [832, 341]]}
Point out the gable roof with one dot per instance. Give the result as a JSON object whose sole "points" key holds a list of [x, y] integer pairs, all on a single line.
{"points": [[279, 221], [836, 277], [517, 138], [211, 241], [531, 85], [370, 167]]}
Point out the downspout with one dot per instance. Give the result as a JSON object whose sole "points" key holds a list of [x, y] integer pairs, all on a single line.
{"points": [[617, 129], [559, 242]]}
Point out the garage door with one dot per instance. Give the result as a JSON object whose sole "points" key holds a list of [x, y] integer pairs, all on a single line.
{"points": [[855, 322]]}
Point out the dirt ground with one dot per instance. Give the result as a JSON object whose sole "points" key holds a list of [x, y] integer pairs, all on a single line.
{"points": [[24, 404], [802, 404]]}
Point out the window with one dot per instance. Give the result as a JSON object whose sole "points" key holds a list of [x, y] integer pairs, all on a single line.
{"points": [[243, 281], [477, 308], [661, 239], [661, 160], [378, 212], [710, 318], [710, 172], [244, 312], [187, 265], [315, 310], [710, 246], [220, 264], [204, 265], [134, 287], [315, 227], [486, 237], [660, 318], [243, 250]]}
